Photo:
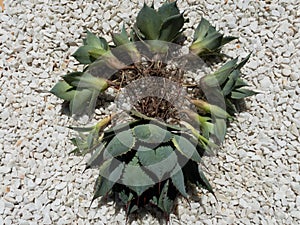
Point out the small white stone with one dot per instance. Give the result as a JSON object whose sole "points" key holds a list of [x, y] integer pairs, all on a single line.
{"points": [[82, 213], [266, 83], [286, 72], [106, 15], [61, 186], [47, 219], [2, 206], [295, 214], [298, 201], [296, 106], [294, 76], [4, 169], [254, 25], [243, 203], [296, 187]]}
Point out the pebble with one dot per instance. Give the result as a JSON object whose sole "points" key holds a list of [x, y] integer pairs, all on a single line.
{"points": [[82, 213], [61, 186], [296, 106], [286, 72]]}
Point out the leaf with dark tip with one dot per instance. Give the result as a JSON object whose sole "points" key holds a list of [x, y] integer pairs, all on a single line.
{"points": [[228, 39], [178, 180], [243, 62], [186, 148], [107, 178], [96, 158], [120, 144], [148, 22], [132, 207], [164, 202], [159, 161], [230, 107], [240, 83], [168, 10], [111, 169], [136, 179], [151, 133], [221, 75], [82, 129], [228, 87], [171, 28], [205, 183], [125, 198], [63, 90], [242, 93]]}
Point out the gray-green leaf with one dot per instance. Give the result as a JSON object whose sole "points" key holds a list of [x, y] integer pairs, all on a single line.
{"points": [[151, 133], [186, 148], [120, 144], [149, 22]]}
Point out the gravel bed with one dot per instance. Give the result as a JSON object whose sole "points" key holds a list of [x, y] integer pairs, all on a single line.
{"points": [[256, 173]]}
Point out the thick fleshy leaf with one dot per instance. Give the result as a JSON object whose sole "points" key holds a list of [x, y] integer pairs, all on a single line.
{"points": [[120, 38], [242, 93], [93, 48], [240, 83], [96, 42], [228, 39], [186, 148], [63, 90], [120, 144], [111, 169], [96, 53], [201, 30], [82, 54], [178, 180], [159, 161], [107, 178], [169, 127], [220, 129], [80, 101], [168, 10], [171, 28], [149, 22], [228, 87], [151, 133], [205, 183], [230, 107], [203, 141], [207, 45], [221, 75], [125, 198], [86, 80], [164, 202], [243, 62], [96, 158], [136, 179]]}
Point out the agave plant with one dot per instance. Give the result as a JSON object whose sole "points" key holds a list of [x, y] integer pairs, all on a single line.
{"points": [[153, 157]]}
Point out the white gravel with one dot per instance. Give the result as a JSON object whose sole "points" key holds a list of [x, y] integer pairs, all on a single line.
{"points": [[256, 174]]}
